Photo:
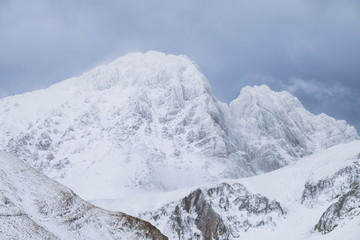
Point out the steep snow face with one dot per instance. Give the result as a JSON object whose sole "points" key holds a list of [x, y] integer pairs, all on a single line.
{"points": [[32, 206], [150, 121], [273, 128]]}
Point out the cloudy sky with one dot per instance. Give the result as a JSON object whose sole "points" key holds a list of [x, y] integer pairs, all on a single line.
{"points": [[308, 47]]}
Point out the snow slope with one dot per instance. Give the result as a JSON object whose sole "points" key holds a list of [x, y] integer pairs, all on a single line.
{"points": [[32, 206], [151, 122], [290, 186], [315, 198]]}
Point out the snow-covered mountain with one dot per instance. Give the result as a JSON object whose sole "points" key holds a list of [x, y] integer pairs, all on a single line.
{"points": [[315, 198], [273, 128], [33, 206], [150, 121]]}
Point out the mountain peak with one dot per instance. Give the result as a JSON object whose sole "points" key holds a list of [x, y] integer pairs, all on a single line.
{"points": [[142, 70], [256, 99], [258, 88], [263, 90], [274, 122]]}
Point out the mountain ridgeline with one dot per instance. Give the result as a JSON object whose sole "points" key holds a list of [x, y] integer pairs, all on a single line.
{"points": [[153, 118], [33, 206]]}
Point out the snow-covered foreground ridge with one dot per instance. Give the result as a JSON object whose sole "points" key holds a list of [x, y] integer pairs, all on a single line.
{"points": [[150, 121], [315, 198], [33, 206]]}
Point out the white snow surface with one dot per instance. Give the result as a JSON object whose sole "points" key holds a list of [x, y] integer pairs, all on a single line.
{"points": [[33, 206], [149, 121], [285, 185]]}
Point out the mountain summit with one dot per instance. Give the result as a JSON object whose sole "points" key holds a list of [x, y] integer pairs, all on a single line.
{"points": [[151, 121]]}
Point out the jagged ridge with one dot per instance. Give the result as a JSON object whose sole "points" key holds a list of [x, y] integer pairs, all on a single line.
{"points": [[220, 212]]}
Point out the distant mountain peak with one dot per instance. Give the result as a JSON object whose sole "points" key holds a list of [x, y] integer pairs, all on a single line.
{"points": [[262, 96]]}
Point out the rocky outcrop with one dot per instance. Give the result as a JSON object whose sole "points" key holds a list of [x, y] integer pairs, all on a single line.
{"points": [[347, 207], [221, 212], [330, 188], [342, 187]]}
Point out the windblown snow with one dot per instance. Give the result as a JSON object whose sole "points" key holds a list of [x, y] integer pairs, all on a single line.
{"points": [[142, 133], [150, 121]]}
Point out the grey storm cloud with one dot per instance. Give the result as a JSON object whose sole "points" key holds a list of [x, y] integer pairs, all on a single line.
{"points": [[308, 47]]}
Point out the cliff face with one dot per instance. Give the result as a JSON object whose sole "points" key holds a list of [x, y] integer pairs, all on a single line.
{"points": [[347, 207]]}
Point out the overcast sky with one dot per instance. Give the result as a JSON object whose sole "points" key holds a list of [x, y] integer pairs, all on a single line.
{"points": [[308, 47]]}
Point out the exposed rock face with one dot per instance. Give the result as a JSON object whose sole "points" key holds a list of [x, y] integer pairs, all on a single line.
{"points": [[221, 212], [325, 190], [33, 206], [347, 207], [343, 187]]}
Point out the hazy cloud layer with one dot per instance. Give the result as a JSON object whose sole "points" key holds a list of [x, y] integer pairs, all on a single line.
{"points": [[318, 89], [309, 47]]}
